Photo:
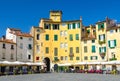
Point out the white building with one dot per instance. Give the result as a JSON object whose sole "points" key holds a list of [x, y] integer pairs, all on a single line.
{"points": [[24, 43], [7, 50]]}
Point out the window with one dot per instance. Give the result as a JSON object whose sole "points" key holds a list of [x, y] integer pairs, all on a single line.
{"points": [[71, 37], [21, 45], [11, 57], [71, 58], [71, 49], [4, 46], [111, 31], [55, 58], [47, 37], [66, 58], [30, 39], [85, 42], [55, 26], [70, 26], [38, 48], [38, 30], [77, 36], [73, 25], [3, 55], [93, 49], [102, 49], [55, 37], [116, 30], [93, 57], [102, 37], [112, 43], [77, 49], [61, 33], [65, 45], [65, 33], [12, 46], [41, 44], [93, 41], [29, 46], [47, 49], [77, 58], [77, 25], [85, 49], [21, 38], [85, 58], [55, 51], [38, 36], [29, 57], [119, 29], [88, 31], [47, 26], [83, 30], [61, 45], [21, 55], [61, 58], [37, 58], [100, 26]]}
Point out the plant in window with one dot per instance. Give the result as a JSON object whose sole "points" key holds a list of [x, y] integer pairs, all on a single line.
{"points": [[102, 42]]}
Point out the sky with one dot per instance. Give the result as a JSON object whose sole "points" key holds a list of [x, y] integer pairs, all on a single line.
{"points": [[24, 14]]}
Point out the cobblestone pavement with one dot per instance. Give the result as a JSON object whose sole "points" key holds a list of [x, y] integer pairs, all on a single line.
{"points": [[61, 77]]}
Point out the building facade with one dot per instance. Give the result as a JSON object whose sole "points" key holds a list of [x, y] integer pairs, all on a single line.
{"points": [[7, 50], [24, 44], [60, 40]]}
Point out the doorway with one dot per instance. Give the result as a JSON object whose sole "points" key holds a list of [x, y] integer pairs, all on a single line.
{"points": [[47, 62]]}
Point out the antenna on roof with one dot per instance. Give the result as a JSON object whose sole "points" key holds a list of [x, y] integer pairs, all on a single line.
{"points": [[81, 18]]}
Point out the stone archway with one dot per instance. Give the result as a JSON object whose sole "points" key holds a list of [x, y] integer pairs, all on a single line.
{"points": [[47, 62]]}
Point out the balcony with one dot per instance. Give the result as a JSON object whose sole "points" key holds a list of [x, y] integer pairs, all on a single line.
{"points": [[102, 54], [71, 54], [111, 59], [101, 42]]}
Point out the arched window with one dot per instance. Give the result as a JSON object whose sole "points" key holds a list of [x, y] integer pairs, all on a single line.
{"points": [[38, 36]]}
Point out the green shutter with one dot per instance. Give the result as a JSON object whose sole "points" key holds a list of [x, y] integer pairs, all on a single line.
{"points": [[58, 26], [105, 49], [77, 36], [73, 25], [78, 25], [93, 49], [68, 26], [104, 36], [99, 37], [109, 43], [71, 37], [99, 26], [102, 25], [99, 49], [55, 37], [91, 58], [47, 37], [44, 25], [49, 26], [96, 57], [114, 43]]}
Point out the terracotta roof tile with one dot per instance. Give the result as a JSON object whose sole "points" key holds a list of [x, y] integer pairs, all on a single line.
{"points": [[7, 41], [24, 34]]}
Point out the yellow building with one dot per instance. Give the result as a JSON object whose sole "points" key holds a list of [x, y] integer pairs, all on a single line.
{"points": [[88, 43], [59, 42], [113, 44], [68, 43]]}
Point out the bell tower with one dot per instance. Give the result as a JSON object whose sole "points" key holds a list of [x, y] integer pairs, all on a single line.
{"points": [[56, 15]]}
